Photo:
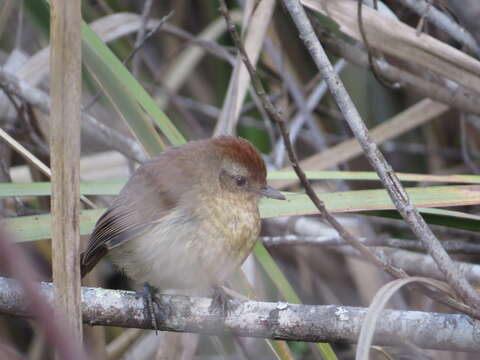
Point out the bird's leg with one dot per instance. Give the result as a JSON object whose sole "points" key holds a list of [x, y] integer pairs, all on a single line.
{"points": [[155, 311], [221, 302]]}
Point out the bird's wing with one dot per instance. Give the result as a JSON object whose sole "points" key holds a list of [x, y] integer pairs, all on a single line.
{"points": [[114, 227], [155, 188], [143, 201]]}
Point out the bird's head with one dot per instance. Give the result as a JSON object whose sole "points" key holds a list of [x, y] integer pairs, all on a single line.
{"points": [[242, 169]]}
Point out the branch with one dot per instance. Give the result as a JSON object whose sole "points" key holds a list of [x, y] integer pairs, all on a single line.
{"points": [[277, 117], [327, 323], [452, 246], [414, 263], [443, 22], [141, 38], [389, 180], [460, 97]]}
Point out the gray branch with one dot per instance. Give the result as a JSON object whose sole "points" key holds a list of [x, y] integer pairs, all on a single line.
{"points": [[452, 246], [415, 264], [443, 22], [388, 177], [325, 323], [459, 97]]}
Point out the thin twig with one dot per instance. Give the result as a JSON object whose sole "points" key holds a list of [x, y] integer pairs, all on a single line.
{"points": [[458, 97], [297, 122], [298, 97], [452, 246], [132, 54], [464, 143], [390, 181], [136, 62], [443, 22], [370, 51], [209, 46], [277, 117]]}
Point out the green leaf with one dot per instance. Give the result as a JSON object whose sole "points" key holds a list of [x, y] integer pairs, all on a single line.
{"points": [[99, 61], [112, 187], [370, 175], [453, 219], [284, 287], [120, 85], [38, 227], [365, 201], [103, 187]]}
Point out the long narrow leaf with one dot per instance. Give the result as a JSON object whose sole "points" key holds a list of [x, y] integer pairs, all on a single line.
{"points": [[339, 202], [108, 69], [112, 187], [370, 175], [364, 200]]}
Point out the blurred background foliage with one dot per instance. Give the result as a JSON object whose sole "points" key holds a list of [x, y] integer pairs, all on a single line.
{"points": [[158, 73]]}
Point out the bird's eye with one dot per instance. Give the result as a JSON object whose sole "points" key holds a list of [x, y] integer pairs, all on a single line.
{"points": [[240, 180]]}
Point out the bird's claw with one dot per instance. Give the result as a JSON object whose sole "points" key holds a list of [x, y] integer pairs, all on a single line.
{"points": [[222, 303], [155, 311]]}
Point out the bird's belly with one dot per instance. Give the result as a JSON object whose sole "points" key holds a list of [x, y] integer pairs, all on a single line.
{"points": [[187, 257]]}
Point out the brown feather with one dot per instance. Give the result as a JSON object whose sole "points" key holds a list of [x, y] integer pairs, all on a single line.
{"points": [[161, 184], [242, 151]]}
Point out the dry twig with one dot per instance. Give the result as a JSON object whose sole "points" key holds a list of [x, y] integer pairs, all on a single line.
{"points": [[389, 180], [333, 81]]}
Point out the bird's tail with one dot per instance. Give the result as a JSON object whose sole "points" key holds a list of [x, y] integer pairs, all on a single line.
{"points": [[87, 263]]}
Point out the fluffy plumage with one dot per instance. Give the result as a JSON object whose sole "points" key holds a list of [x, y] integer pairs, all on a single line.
{"points": [[186, 219]]}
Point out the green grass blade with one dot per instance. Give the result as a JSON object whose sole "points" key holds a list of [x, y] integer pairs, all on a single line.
{"points": [[38, 227], [119, 82], [286, 290], [102, 187], [365, 201], [97, 60], [443, 217], [370, 175]]}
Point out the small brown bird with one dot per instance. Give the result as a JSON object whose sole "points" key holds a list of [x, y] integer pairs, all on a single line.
{"points": [[187, 219]]}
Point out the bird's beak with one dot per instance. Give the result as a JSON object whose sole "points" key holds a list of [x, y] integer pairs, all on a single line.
{"points": [[271, 193]]}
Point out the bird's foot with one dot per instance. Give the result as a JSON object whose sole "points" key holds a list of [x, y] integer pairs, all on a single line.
{"points": [[154, 309], [222, 303]]}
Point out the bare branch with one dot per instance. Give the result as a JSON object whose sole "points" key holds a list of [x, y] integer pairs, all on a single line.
{"points": [[460, 97], [278, 118], [414, 263], [326, 323], [389, 180], [443, 22], [452, 246]]}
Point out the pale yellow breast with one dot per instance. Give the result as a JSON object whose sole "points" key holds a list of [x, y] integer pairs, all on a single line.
{"points": [[229, 232]]}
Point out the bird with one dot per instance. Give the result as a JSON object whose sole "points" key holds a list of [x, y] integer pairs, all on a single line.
{"points": [[187, 219]]}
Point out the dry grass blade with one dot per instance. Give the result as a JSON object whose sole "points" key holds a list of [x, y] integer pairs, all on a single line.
{"points": [[378, 305], [411, 118], [240, 79], [376, 159], [395, 38], [180, 70], [27, 155], [36, 162], [120, 344], [66, 95]]}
